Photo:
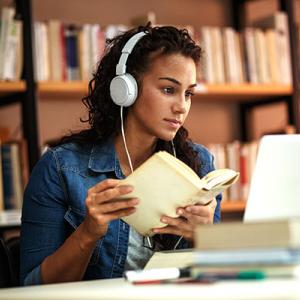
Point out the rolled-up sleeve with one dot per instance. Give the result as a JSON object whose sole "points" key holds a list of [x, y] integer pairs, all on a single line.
{"points": [[43, 228]]}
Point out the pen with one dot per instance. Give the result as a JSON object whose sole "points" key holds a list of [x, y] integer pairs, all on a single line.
{"points": [[174, 281], [156, 275]]}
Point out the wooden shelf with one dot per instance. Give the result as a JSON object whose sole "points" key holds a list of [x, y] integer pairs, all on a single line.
{"points": [[233, 206], [61, 88], [11, 87], [241, 92], [226, 92]]}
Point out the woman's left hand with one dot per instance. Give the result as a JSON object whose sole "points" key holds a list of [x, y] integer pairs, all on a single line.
{"points": [[190, 217]]}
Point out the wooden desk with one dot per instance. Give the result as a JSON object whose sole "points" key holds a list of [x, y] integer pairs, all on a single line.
{"points": [[117, 289]]}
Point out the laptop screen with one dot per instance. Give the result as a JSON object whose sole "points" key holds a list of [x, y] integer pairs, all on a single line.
{"points": [[275, 185]]}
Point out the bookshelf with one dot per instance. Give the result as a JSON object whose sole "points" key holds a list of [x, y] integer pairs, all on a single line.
{"points": [[206, 92], [242, 92], [58, 89], [245, 96], [292, 99], [233, 206], [12, 87], [23, 92]]}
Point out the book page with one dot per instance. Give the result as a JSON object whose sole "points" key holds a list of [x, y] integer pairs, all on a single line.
{"points": [[181, 168], [220, 177]]}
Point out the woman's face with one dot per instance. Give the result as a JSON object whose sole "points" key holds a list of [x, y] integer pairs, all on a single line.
{"points": [[165, 97]]}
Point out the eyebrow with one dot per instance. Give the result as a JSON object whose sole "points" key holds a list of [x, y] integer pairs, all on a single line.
{"points": [[175, 81]]}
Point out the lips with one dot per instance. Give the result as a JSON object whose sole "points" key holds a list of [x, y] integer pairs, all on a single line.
{"points": [[174, 122]]}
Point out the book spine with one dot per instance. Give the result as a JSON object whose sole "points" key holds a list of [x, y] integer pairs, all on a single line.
{"points": [[7, 177], [71, 42]]}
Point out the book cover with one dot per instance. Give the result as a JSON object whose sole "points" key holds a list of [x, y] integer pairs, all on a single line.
{"points": [[163, 183]]}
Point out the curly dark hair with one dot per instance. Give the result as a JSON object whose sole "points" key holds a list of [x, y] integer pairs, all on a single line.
{"points": [[104, 114]]}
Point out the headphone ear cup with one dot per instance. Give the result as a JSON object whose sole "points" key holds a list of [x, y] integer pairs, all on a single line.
{"points": [[123, 90]]}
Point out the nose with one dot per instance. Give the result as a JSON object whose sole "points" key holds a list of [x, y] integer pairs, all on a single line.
{"points": [[180, 105]]}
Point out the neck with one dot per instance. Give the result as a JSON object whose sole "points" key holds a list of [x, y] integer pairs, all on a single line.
{"points": [[139, 150]]}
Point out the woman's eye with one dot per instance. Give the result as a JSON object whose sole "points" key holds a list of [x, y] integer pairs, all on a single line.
{"points": [[189, 94], [168, 90]]}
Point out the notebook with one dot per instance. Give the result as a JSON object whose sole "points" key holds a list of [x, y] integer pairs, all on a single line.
{"points": [[275, 186]]}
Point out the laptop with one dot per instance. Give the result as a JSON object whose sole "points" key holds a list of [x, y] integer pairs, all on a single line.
{"points": [[275, 185]]}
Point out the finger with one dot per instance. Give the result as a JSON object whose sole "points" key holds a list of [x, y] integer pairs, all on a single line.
{"points": [[119, 214], [109, 207], [198, 215], [106, 195], [212, 203], [174, 230], [199, 210], [176, 222], [104, 185]]}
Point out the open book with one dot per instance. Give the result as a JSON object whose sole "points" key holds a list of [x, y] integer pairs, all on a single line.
{"points": [[163, 183]]}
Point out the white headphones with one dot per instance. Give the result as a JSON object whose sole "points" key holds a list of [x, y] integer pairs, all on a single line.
{"points": [[123, 87]]}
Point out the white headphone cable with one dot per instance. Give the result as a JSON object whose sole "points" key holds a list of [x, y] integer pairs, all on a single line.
{"points": [[124, 140], [173, 148]]}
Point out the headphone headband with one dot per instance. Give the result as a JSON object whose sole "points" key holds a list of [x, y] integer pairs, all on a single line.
{"points": [[121, 66]]}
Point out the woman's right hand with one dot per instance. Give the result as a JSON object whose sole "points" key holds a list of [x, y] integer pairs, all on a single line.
{"points": [[103, 206]]}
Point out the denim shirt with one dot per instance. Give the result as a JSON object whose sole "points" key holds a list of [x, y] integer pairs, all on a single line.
{"points": [[54, 206]]}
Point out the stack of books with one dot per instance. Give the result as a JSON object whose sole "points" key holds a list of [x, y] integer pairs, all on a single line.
{"points": [[240, 251], [268, 247]]}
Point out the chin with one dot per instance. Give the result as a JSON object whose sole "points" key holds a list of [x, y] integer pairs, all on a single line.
{"points": [[167, 136]]}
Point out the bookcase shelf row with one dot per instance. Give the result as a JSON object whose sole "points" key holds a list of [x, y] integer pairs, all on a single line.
{"points": [[243, 91], [11, 86], [233, 206], [232, 92]]}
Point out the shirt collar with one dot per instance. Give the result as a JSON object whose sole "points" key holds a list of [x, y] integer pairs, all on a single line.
{"points": [[103, 157]]}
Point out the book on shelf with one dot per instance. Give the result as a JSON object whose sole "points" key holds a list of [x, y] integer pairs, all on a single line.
{"points": [[14, 173], [72, 58], [273, 55], [279, 22], [12, 176], [11, 47], [163, 183], [42, 51], [56, 51], [247, 36], [240, 157], [237, 235], [261, 59]]}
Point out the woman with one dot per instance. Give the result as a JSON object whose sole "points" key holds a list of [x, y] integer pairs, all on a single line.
{"points": [[71, 227]]}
